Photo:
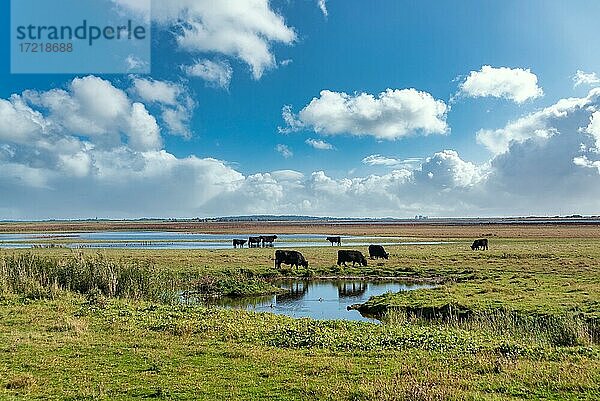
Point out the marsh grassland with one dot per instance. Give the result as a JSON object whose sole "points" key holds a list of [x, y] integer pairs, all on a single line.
{"points": [[520, 321]]}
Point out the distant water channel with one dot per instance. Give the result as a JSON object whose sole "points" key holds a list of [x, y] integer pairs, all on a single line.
{"points": [[179, 240], [320, 299]]}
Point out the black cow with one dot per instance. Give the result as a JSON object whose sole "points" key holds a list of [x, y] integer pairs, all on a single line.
{"points": [[335, 240], [377, 251], [239, 242], [268, 239], [254, 242], [351, 256], [292, 258], [480, 244]]}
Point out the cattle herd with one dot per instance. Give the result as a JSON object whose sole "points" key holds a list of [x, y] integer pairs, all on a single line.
{"points": [[296, 259], [255, 242]]}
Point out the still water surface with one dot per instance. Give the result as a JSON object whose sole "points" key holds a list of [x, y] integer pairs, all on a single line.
{"points": [[178, 240], [320, 299]]}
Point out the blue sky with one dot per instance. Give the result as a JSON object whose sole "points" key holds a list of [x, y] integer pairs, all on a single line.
{"points": [[228, 153]]}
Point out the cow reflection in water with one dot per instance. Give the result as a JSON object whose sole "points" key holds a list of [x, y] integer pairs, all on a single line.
{"points": [[354, 289], [296, 290]]}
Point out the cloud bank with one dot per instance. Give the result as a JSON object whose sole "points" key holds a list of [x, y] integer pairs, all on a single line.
{"points": [[93, 149]]}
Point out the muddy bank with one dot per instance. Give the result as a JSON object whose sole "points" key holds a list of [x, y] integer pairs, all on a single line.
{"points": [[445, 312], [408, 279]]}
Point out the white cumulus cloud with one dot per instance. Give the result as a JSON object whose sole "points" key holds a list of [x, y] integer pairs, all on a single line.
{"points": [[516, 84], [18, 121], [92, 108], [390, 115], [447, 169]]}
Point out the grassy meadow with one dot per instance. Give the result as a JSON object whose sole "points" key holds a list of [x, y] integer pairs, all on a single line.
{"points": [[520, 321]]}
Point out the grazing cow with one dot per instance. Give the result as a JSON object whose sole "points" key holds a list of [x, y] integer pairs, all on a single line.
{"points": [[377, 251], [480, 244], [292, 258], [254, 242], [239, 242], [351, 256], [335, 240], [268, 239]]}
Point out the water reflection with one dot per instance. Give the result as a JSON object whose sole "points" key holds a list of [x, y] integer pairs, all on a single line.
{"points": [[319, 299], [351, 289], [295, 291]]}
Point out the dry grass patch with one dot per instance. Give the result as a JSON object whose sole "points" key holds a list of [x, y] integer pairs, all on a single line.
{"points": [[21, 382]]}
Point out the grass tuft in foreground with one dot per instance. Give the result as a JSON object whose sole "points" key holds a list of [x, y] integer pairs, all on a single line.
{"points": [[35, 276]]}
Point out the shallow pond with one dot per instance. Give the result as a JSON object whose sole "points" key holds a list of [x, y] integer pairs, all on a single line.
{"points": [[320, 299], [178, 240]]}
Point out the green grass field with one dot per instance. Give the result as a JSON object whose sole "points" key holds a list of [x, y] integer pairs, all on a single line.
{"points": [[517, 322]]}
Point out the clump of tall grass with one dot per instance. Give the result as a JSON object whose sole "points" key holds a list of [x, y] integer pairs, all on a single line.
{"points": [[34, 276], [97, 277], [566, 329]]}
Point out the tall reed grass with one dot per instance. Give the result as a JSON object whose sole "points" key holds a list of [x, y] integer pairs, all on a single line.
{"points": [[35, 276]]}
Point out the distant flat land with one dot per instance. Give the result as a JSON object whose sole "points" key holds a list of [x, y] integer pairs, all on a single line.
{"points": [[442, 228]]}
